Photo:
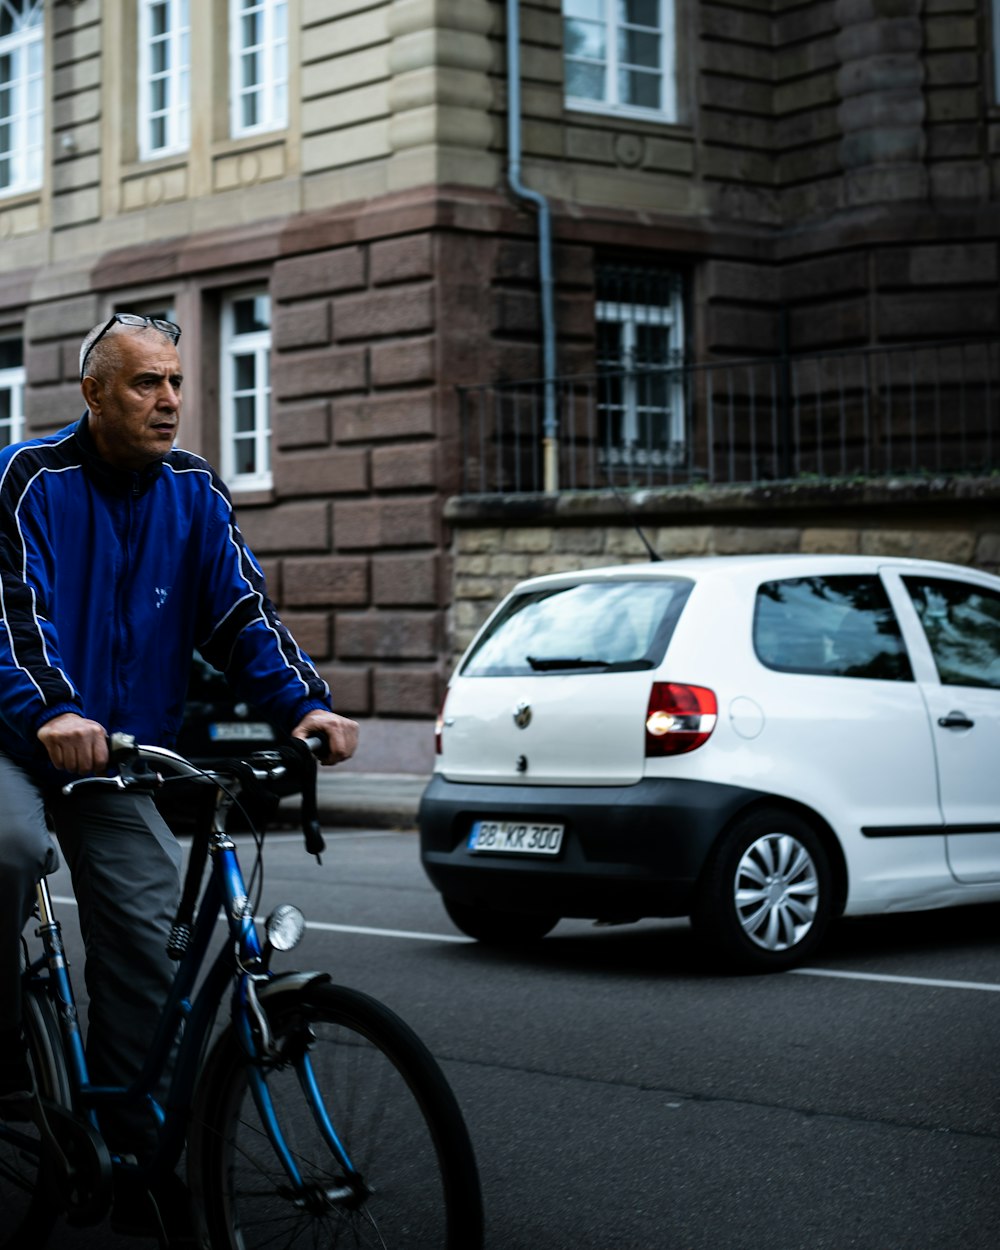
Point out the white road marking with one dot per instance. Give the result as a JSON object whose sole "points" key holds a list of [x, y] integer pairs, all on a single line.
{"points": [[412, 935], [364, 930], [394, 933], [930, 982]]}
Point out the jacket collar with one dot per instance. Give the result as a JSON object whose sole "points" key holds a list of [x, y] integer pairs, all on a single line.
{"points": [[106, 476]]}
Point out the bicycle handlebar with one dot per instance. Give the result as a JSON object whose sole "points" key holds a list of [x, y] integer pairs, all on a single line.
{"points": [[261, 767]]}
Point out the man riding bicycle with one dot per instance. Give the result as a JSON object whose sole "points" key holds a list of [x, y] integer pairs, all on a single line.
{"points": [[119, 554]]}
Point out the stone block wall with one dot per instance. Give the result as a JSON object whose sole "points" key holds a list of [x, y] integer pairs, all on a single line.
{"points": [[496, 544]]}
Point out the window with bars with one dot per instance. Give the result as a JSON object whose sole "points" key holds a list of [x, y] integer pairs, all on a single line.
{"points": [[164, 77], [619, 56], [11, 391], [21, 95], [639, 318], [246, 391], [258, 36]]}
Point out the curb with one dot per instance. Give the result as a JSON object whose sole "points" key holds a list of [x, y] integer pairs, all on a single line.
{"points": [[363, 801]]}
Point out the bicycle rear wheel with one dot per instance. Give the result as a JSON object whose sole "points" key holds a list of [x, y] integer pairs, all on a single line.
{"points": [[415, 1185], [27, 1196]]}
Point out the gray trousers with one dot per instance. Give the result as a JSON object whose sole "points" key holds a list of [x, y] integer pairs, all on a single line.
{"points": [[126, 869]]}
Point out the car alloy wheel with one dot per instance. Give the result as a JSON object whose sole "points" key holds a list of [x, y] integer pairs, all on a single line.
{"points": [[776, 892], [765, 897]]}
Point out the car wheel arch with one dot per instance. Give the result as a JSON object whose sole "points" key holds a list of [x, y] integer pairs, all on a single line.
{"points": [[823, 830]]}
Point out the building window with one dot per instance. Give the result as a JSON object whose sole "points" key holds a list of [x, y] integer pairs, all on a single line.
{"points": [[165, 77], [258, 65], [21, 95], [640, 357], [246, 391], [160, 311], [11, 391], [620, 56]]}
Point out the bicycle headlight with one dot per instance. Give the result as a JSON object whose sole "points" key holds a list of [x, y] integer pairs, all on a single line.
{"points": [[284, 927]]}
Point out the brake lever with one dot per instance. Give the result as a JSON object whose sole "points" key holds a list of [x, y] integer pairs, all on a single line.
{"points": [[311, 831], [116, 783]]}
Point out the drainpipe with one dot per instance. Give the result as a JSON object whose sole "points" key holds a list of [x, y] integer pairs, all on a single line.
{"points": [[550, 428]]}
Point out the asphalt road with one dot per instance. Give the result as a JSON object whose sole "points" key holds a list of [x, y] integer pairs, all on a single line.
{"points": [[621, 1097]]}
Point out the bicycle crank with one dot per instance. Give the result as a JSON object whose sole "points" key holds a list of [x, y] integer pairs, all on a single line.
{"points": [[80, 1160]]}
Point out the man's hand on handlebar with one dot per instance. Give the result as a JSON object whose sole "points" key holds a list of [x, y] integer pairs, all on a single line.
{"points": [[340, 733], [75, 744]]}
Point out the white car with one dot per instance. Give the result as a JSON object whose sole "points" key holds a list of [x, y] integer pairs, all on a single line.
{"points": [[759, 742]]}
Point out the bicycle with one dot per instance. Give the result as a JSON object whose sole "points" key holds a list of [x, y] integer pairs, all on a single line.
{"points": [[317, 1117]]}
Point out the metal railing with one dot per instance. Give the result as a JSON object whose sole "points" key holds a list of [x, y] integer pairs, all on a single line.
{"points": [[917, 409]]}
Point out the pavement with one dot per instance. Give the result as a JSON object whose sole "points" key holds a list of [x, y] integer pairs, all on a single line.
{"points": [[363, 800]]}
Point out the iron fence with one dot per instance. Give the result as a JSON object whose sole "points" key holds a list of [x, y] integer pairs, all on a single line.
{"points": [[927, 408]]}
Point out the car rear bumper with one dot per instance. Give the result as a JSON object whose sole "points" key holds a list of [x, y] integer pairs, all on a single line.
{"points": [[627, 851]]}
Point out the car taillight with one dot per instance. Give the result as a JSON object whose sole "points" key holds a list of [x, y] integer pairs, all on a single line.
{"points": [[678, 718], [439, 726]]}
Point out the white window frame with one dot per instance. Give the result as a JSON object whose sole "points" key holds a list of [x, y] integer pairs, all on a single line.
{"points": [[25, 47], [257, 344], [667, 110], [12, 380], [272, 52], [176, 77], [629, 316]]}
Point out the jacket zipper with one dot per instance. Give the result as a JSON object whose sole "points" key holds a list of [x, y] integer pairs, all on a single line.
{"points": [[121, 589]]}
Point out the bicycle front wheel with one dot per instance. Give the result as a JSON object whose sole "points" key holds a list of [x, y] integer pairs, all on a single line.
{"points": [[410, 1181]]}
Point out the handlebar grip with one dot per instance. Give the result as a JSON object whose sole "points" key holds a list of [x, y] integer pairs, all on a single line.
{"points": [[121, 747], [315, 842], [308, 750]]}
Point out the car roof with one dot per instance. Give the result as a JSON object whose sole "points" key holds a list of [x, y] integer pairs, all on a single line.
{"points": [[752, 567]]}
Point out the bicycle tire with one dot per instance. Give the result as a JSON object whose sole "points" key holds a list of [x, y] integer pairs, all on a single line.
{"points": [[27, 1189], [392, 1109]]}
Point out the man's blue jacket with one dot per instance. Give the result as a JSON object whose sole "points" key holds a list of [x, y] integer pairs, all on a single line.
{"points": [[109, 579]]}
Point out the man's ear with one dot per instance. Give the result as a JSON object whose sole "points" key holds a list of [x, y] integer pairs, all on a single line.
{"points": [[91, 393]]}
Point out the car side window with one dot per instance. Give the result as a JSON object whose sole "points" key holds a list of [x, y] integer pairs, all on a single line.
{"points": [[839, 626], [962, 624]]}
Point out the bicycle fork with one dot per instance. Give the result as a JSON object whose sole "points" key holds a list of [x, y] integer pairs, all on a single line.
{"points": [[353, 1190], [253, 1028]]}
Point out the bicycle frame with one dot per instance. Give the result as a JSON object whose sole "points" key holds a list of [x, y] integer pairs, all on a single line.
{"points": [[239, 961]]}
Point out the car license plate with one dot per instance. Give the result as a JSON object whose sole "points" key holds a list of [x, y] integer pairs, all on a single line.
{"points": [[515, 837], [239, 731]]}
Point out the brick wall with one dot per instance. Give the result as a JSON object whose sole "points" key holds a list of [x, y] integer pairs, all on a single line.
{"points": [[370, 335], [354, 525]]}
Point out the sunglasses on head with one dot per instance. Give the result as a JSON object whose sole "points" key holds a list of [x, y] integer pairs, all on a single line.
{"points": [[131, 319]]}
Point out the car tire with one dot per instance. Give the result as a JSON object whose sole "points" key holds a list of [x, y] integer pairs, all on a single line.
{"points": [[765, 898], [499, 928]]}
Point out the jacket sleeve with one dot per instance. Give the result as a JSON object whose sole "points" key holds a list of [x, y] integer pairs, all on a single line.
{"points": [[241, 632], [34, 686]]}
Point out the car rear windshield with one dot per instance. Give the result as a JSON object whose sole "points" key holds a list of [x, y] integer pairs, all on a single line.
{"points": [[831, 626], [596, 627]]}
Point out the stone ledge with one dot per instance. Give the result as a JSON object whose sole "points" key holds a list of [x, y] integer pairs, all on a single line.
{"points": [[705, 503]]}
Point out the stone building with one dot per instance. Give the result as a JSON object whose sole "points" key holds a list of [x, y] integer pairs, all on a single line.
{"points": [[319, 192]]}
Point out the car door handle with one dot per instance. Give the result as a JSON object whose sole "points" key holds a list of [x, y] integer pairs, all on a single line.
{"points": [[955, 720]]}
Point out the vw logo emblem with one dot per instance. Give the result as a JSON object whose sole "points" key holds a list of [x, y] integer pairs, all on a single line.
{"points": [[522, 715]]}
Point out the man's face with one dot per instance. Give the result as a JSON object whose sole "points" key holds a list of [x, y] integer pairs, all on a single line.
{"points": [[134, 417]]}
